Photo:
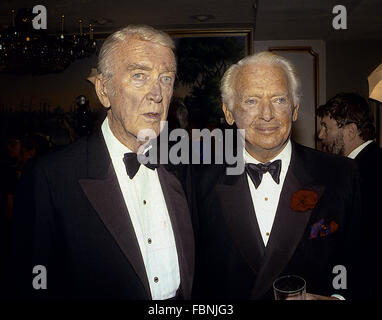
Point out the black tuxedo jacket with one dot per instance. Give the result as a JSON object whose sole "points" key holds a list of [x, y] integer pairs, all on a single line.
{"points": [[233, 262], [71, 217], [369, 162]]}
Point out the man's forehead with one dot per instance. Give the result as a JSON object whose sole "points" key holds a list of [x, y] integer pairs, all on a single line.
{"points": [[148, 66], [260, 73], [261, 68], [145, 53], [328, 120]]}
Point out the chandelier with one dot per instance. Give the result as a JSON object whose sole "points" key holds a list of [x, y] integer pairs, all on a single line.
{"points": [[24, 50]]}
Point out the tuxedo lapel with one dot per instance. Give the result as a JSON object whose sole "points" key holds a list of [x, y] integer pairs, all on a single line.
{"points": [[240, 218], [288, 227], [182, 227], [104, 194]]}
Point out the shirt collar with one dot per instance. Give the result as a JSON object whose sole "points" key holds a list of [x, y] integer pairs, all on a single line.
{"points": [[285, 156], [116, 149], [357, 150]]}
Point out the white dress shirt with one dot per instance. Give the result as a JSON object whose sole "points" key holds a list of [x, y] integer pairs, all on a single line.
{"points": [[266, 197], [149, 215], [357, 150]]}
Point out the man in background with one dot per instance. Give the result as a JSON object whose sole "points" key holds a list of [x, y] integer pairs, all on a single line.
{"points": [[347, 129]]}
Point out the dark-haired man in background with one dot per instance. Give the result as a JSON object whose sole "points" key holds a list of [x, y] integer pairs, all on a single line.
{"points": [[347, 129]]}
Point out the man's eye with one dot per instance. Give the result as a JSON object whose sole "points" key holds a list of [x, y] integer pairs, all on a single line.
{"points": [[167, 79], [139, 76], [280, 100], [251, 101]]}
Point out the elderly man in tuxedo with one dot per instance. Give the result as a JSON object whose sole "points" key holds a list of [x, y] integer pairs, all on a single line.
{"points": [[292, 211], [102, 225], [347, 129]]}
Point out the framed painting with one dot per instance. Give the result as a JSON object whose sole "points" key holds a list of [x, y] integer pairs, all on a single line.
{"points": [[202, 57]]}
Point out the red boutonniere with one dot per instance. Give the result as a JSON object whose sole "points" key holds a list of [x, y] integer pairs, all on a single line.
{"points": [[303, 200]]}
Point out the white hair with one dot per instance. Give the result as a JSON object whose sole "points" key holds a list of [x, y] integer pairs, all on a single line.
{"points": [[265, 58], [140, 32]]}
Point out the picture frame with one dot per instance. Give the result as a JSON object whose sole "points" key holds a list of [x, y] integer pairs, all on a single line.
{"points": [[203, 55], [245, 33]]}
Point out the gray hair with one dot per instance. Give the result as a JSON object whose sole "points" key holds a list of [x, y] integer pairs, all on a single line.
{"points": [[140, 32], [294, 84]]}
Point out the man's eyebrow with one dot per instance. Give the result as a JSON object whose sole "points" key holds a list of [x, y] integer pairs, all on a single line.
{"points": [[256, 95], [135, 66], [170, 68], [280, 94]]}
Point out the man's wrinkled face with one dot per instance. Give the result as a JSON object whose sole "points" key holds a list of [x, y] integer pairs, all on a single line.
{"points": [[140, 88], [263, 107], [331, 136]]}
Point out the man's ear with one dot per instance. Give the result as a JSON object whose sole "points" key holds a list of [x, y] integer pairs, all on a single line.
{"points": [[351, 130], [295, 112], [228, 115], [101, 91]]}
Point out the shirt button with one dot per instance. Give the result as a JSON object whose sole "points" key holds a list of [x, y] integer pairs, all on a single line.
{"points": [[144, 201], [266, 198], [156, 279], [149, 241], [267, 234]]}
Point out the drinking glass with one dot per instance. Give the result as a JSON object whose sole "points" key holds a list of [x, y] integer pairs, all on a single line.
{"points": [[289, 287]]}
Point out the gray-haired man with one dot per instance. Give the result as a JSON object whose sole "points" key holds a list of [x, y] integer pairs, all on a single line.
{"points": [[293, 209], [102, 225]]}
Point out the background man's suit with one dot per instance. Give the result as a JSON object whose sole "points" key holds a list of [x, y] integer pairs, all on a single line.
{"points": [[234, 264], [74, 219], [369, 162]]}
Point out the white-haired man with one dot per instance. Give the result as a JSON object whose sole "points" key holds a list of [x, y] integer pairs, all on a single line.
{"points": [[290, 212], [102, 225]]}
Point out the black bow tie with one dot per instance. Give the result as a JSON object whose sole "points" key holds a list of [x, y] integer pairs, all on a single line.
{"points": [[256, 171], [132, 164]]}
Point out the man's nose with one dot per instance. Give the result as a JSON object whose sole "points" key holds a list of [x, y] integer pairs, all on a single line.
{"points": [[321, 134], [266, 111], [155, 93]]}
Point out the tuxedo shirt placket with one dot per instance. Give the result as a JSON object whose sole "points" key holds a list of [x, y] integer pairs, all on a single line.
{"points": [[266, 197], [149, 215]]}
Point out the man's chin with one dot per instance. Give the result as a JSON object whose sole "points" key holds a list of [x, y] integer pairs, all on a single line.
{"points": [[325, 148], [266, 143], [148, 133], [265, 147]]}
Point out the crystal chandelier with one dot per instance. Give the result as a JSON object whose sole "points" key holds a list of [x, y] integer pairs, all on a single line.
{"points": [[24, 50]]}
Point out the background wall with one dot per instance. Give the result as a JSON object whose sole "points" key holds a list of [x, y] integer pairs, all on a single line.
{"points": [[349, 63]]}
